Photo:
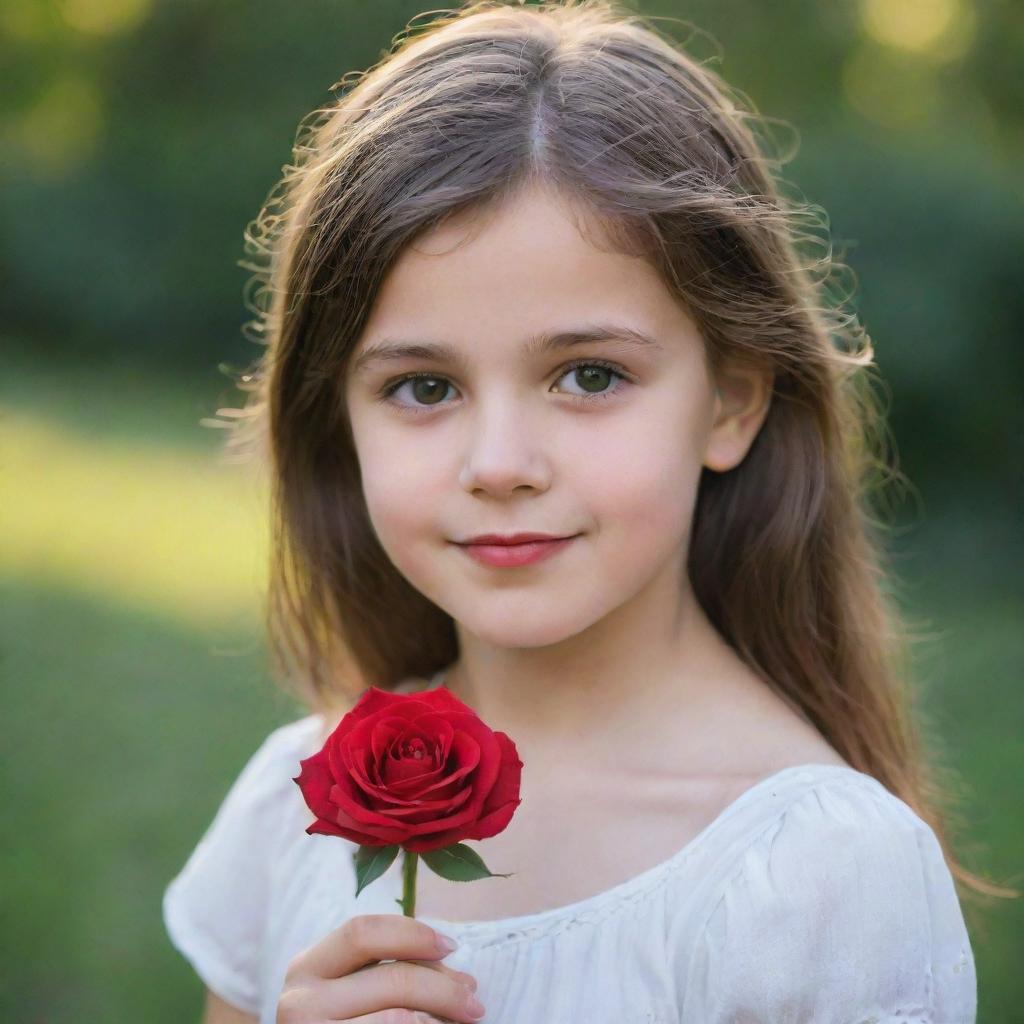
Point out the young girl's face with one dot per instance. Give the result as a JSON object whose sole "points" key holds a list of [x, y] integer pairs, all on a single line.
{"points": [[501, 434]]}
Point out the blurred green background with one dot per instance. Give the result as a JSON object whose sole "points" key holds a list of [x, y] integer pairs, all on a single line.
{"points": [[138, 139]]}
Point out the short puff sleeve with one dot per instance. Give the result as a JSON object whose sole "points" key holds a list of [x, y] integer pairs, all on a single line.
{"points": [[842, 912], [215, 910]]}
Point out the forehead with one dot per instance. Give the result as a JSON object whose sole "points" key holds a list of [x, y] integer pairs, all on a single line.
{"points": [[515, 271]]}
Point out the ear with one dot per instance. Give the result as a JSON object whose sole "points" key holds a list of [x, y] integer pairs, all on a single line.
{"points": [[741, 402]]}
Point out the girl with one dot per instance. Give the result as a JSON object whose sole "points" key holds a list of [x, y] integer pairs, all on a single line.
{"points": [[533, 275]]}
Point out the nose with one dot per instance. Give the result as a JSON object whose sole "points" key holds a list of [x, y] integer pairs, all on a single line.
{"points": [[503, 452]]}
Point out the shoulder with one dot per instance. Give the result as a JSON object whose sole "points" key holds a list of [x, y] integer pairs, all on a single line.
{"points": [[841, 835], [301, 736], [216, 908], [827, 801], [839, 903], [834, 830], [267, 769], [263, 784], [263, 798]]}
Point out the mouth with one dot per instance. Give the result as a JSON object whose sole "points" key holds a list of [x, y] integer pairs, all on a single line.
{"points": [[510, 555], [493, 539]]}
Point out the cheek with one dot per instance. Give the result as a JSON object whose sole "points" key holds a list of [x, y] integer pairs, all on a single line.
{"points": [[647, 471], [402, 494]]}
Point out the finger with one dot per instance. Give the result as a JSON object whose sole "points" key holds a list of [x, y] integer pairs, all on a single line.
{"points": [[460, 976], [387, 1016], [364, 940], [400, 984]]}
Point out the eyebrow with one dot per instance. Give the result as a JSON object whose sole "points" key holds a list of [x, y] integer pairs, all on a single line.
{"points": [[390, 349]]}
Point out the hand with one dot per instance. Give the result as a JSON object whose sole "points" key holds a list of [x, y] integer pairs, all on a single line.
{"points": [[341, 978]]}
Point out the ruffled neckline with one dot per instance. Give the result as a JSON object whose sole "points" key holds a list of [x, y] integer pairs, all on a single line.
{"points": [[638, 887], [600, 904]]}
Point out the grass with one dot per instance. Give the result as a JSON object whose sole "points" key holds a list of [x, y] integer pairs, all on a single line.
{"points": [[137, 686]]}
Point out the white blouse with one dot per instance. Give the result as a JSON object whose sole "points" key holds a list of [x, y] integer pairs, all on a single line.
{"points": [[815, 896]]}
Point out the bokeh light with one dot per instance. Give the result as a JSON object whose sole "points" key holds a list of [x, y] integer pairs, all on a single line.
{"points": [[104, 17], [940, 30], [189, 534], [61, 129], [888, 91]]}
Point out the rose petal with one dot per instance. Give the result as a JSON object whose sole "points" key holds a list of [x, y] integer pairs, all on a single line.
{"points": [[367, 784], [315, 781]]}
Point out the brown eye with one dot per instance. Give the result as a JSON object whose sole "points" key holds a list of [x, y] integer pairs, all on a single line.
{"points": [[593, 378], [426, 390], [598, 380]]}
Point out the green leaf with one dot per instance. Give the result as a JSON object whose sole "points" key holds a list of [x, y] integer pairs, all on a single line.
{"points": [[458, 863], [371, 862]]}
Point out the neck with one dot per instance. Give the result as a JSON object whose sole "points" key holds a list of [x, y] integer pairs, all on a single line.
{"points": [[596, 696]]}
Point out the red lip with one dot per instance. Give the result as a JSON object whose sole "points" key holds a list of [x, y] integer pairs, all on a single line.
{"points": [[511, 538], [510, 555]]}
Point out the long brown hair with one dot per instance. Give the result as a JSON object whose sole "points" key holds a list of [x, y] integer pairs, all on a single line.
{"points": [[787, 554]]}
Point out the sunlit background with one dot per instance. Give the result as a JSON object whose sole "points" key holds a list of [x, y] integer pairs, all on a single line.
{"points": [[138, 138]]}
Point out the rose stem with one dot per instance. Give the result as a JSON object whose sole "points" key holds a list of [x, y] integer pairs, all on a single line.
{"points": [[409, 883]]}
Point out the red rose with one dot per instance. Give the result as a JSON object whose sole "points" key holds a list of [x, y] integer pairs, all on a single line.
{"points": [[421, 771]]}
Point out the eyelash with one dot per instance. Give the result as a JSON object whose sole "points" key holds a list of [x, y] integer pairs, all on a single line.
{"points": [[389, 389]]}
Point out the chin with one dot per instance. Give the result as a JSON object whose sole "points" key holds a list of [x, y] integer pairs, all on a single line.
{"points": [[543, 624]]}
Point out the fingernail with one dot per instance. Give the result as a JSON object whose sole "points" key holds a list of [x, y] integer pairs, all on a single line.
{"points": [[446, 944], [476, 1008]]}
